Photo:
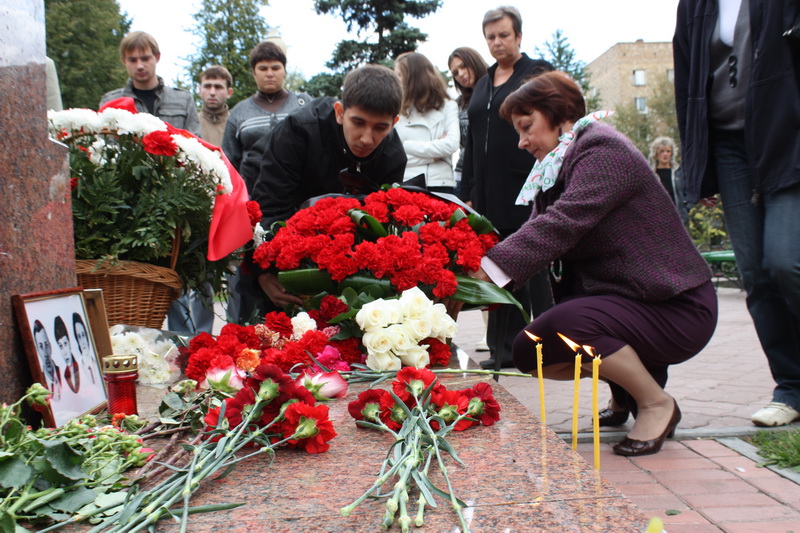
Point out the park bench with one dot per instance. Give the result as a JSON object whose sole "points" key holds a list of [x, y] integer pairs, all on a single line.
{"points": [[723, 266]]}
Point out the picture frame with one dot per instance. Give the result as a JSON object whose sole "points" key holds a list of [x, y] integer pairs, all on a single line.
{"points": [[98, 321], [59, 341]]}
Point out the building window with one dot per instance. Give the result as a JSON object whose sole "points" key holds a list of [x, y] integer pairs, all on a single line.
{"points": [[671, 75], [639, 79], [641, 104]]}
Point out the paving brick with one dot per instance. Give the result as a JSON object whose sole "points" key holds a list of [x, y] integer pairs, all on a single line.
{"points": [[658, 502], [705, 474], [657, 463], [779, 488], [708, 486], [710, 448], [694, 528], [746, 513], [622, 478], [744, 467], [727, 499], [640, 489], [762, 527], [682, 518]]}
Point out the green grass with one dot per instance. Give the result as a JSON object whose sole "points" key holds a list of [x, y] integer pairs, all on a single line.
{"points": [[780, 448]]}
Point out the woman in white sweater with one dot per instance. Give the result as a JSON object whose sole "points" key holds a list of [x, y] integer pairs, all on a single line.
{"points": [[428, 124]]}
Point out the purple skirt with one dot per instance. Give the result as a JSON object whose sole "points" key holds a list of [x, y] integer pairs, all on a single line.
{"points": [[662, 334]]}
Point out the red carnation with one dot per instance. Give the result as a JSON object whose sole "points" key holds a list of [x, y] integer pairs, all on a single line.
{"points": [[482, 404], [279, 323], [367, 405], [330, 307], [438, 351], [253, 212], [160, 143], [449, 405], [412, 381], [311, 425]]}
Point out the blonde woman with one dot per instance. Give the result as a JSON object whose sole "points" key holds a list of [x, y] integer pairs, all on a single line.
{"points": [[663, 155]]}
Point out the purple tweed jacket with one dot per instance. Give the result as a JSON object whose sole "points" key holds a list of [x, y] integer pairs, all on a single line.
{"points": [[610, 222]]}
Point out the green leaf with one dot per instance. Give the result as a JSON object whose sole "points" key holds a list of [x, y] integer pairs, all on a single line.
{"points": [[64, 461], [423, 488], [480, 224], [73, 500], [306, 281], [457, 215], [12, 430], [672, 512], [475, 292], [367, 224], [375, 288], [7, 522], [173, 401], [14, 472]]}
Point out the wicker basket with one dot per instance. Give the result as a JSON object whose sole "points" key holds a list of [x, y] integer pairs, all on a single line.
{"points": [[136, 294]]}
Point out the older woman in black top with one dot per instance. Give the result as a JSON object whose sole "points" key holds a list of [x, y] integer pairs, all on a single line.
{"points": [[494, 169]]}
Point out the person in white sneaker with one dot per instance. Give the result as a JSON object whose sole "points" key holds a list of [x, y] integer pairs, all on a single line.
{"points": [[738, 110]]}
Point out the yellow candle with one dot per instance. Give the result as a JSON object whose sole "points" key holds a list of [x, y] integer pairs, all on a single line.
{"points": [[577, 396], [596, 412], [542, 412], [576, 401]]}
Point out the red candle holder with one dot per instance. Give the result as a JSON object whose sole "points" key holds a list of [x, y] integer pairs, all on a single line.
{"points": [[120, 373]]}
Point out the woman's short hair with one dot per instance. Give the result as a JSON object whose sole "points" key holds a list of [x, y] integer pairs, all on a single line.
{"points": [[554, 94], [493, 15], [656, 145], [266, 51], [424, 88], [472, 60]]}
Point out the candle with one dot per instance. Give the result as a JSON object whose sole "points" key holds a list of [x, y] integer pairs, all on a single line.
{"points": [[542, 412], [577, 389], [120, 373], [595, 408]]}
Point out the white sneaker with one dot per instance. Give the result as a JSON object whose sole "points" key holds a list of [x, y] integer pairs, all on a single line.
{"points": [[775, 414]]}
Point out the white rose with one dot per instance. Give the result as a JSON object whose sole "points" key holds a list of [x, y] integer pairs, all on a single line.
{"points": [[383, 361], [414, 303], [418, 328], [378, 340], [449, 329], [417, 356], [301, 324], [378, 314], [437, 315], [400, 339]]}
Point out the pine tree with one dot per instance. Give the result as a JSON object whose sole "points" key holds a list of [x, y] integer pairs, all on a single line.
{"points": [[381, 23], [559, 52], [83, 39], [228, 30]]}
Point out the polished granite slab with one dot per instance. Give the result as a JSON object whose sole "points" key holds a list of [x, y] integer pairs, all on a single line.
{"points": [[519, 477]]}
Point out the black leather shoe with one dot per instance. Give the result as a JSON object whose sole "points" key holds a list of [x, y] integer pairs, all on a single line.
{"points": [[488, 364], [609, 417], [634, 448]]}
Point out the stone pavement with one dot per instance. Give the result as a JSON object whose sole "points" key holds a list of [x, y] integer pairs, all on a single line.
{"points": [[704, 480]]}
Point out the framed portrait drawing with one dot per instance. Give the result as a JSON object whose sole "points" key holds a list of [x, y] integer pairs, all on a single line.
{"points": [[57, 336]]}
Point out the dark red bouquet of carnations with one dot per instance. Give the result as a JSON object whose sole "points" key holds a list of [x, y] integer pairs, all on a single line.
{"points": [[394, 239]]}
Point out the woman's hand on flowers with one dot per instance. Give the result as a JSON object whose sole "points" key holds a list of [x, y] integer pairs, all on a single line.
{"points": [[480, 275], [275, 291]]}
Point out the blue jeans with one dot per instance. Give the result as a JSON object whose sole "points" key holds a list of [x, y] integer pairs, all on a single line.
{"points": [[767, 249]]}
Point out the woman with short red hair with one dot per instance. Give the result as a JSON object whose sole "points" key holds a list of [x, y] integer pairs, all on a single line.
{"points": [[626, 277]]}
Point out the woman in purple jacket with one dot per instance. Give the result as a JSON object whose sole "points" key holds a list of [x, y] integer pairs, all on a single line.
{"points": [[626, 277]]}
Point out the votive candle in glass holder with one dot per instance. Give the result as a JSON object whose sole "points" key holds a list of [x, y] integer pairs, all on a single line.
{"points": [[120, 373]]}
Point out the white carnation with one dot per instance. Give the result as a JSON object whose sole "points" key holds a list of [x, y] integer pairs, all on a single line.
{"points": [[302, 323]]}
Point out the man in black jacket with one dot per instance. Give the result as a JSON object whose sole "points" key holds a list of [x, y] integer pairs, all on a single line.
{"points": [[305, 155]]}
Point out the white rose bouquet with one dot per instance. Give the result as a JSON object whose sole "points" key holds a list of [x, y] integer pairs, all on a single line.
{"points": [[409, 331]]}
